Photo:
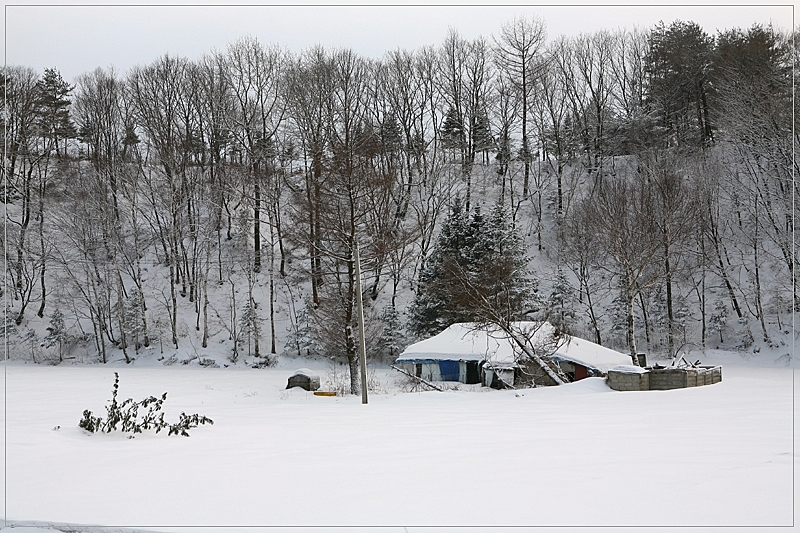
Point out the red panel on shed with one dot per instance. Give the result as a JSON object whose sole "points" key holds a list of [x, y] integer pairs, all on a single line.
{"points": [[581, 372]]}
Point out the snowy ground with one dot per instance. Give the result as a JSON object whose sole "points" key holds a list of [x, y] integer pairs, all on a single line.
{"points": [[576, 455]]}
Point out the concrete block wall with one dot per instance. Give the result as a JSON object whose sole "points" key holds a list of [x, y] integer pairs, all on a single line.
{"points": [[714, 373], [665, 378], [623, 381]]}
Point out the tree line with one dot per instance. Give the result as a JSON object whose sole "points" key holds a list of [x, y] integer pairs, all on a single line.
{"points": [[648, 172]]}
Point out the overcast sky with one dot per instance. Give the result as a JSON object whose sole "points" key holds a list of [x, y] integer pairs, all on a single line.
{"points": [[77, 39]]}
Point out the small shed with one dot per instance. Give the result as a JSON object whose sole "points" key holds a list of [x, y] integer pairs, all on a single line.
{"points": [[470, 354], [305, 379], [456, 354], [499, 374]]}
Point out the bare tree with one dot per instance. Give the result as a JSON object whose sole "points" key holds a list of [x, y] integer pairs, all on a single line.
{"points": [[257, 88], [618, 217], [517, 53], [592, 94], [156, 92], [310, 93], [675, 214], [465, 75]]}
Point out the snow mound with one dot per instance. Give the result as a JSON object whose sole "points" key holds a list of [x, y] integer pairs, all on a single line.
{"points": [[305, 372], [28, 530], [588, 385]]}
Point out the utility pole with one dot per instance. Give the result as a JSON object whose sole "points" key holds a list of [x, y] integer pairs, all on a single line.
{"points": [[362, 347]]}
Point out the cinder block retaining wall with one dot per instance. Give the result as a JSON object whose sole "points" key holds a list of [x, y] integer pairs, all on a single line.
{"points": [[623, 381], [665, 378]]}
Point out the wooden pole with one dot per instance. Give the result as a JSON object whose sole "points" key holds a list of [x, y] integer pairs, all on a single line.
{"points": [[362, 355]]}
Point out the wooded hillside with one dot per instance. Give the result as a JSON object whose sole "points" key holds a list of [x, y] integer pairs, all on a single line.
{"points": [[648, 175]]}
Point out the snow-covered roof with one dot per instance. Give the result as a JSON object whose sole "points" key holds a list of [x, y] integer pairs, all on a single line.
{"points": [[590, 355], [459, 342], [467, 342]]}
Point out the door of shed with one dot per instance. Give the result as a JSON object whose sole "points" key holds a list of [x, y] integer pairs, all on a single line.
{"points": [[473, 373]]}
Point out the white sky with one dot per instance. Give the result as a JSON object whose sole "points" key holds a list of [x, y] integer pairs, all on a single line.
{"points": [[80, 38]]}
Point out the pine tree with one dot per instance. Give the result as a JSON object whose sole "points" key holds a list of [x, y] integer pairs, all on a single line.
{"points": [[391, 138], [719, 318], [56, 333], [505, 148], [9, 326], [134, 328], [482, 134], [560, 302], [392, 340], [430, 311], [54, 102], [248, 326], [477, 267], [680, 316], [452, 130], [504, 265], [302, 340], [617, 313], [780, 304], [657, 310], [745, 338]]}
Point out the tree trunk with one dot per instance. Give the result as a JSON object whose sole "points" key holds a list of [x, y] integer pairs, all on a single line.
{"points": [[207, 268], [174, 301], [668, 283], [272, 349], [756, 271], [631, 334], [256, 220], [40, 312], [646, 321]]}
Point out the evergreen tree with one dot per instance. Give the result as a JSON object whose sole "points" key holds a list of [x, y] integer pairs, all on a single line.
{"points": [[391, 138], [560, 302], [302, 340], [248, 326], [657, 310], [477, 268], [618, 317], [134, 327], [452, 130], [54, 102], [678, 65], [719, 318], [9, 325], [680, 316], [56, 333], [504, 152], [745, 338], [392, 340], [482, 134], [505, 266]]}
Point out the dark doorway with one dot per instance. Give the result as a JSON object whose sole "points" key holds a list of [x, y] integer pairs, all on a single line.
{"points": [[473, 374]]}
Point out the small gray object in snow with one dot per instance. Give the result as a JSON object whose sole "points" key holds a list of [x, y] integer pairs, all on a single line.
{"points": [[305, 379]]}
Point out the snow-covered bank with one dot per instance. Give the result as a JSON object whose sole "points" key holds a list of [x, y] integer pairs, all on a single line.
{"points": [[576, 455]]}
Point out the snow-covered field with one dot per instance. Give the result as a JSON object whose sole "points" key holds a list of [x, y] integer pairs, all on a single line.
{"points": [[576, 455]]}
